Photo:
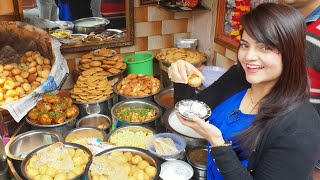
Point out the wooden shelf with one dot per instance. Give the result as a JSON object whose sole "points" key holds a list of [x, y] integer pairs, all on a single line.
{"points": [[178, 9]]}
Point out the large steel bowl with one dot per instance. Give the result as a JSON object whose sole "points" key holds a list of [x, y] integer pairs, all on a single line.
{"points": [[124, 97], [85, 132], [165, 98], [96, 120], [20, 146], [152, 160], [71, 145], [134, 104], [99, 107], [62, 128], [90, 24]]}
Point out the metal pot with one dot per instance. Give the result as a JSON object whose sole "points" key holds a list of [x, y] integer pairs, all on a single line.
{"points": [[70, 145], [83, 132], [20, 146], [192, 140], [152, 160], [95, 120], [99, 107], [90, 24], [124, 97], [199, 168], [134, 104], [62, 128]]}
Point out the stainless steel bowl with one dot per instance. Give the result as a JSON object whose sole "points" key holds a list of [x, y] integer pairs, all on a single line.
{"points": [[152, 160], [165, 94], [134, 104], [20, 146], [85, 132], [71, 145], [124, 97], [95, 120], [132, 129], [191, 141], [62, 128], [99, 107], [200, 169], [90, 24]]}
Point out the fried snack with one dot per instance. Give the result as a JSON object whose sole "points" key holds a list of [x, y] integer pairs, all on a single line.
{"points": [[52, 109], [164, 146], [57, 162], [171, 55], [121, 165], [91, 87], [194, 80], [138, 85], [17, 80], [110, 65]]}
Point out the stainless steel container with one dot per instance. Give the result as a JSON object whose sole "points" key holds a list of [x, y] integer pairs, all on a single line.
{"points": [[62, 128], [99, 107], [165, 98], [90, 24], [123, 97], [3, 162], [197, 157], [96, 120], [152, 160], [192, 140], [134, 104], [20, 146], [132, 129], [85, 132], [71, 145]]}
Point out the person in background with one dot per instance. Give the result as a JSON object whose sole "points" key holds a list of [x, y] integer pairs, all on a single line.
{"points": [[311, 11], [262, 125], [48, 9], [71, 10]]}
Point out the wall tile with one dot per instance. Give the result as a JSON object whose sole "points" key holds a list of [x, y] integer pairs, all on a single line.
{"points": [[141, 14], [174, 26], [159, 42], [231, 55], [182, 15], [181, 36], [190, 21], [136, 3], [223, 61], [143, 29], [156, 13], [219, 49], [140, 44]]}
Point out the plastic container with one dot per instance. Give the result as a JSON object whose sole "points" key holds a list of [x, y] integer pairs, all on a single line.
{"points": [[179, 141], [176, 169], [141, 63], [211, 74]]}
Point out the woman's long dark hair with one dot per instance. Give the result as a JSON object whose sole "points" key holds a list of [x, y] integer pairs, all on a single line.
{"points": [[278, 27]]}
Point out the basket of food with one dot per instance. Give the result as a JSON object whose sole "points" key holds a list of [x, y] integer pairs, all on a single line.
{"points": [[135, 112], [57, 161], [137, 87], [171, 55], [30, 64], [53, 113], [124, 163]]}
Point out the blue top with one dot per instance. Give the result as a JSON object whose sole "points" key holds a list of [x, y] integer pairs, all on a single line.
{"points": [[230, 120], [315, 15]]}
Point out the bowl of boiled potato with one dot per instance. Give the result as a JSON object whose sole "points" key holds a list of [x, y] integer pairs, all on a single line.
{"points": [[59, 161], [124, 163]]}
